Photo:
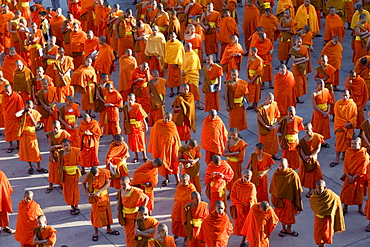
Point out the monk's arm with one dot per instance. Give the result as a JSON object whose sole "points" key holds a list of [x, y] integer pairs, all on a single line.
{"points": [[368, 45], [265, 171], [64, 122], [34, 122], [106, 186], [146, 200], [279, 128], [64, 27], [202, 20], [316, 75], [145, 125], [246, 97], [365, 137], [181, 160], [315, 152], [299, 60], [227, 152], [36, 241], [283, 29], [84, 182], [260, 120], [19, 113]]}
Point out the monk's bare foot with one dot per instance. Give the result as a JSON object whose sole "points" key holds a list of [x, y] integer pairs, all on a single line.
{"points": [[48, 190]]}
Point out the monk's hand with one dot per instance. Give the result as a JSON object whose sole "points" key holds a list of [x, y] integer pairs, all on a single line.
{"points": [[261, 175], [108, 104], [89, 194], [348, 126], [88, 132], [187, 165], [351, 180], [97, 194]]}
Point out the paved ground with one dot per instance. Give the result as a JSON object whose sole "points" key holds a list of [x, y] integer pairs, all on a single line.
{"points": [[77, 230]]}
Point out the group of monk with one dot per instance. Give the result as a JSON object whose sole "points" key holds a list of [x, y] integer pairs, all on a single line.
{"points": [[47, 58]]}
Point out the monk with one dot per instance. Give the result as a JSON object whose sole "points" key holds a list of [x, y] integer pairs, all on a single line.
{"points": [[47, 98], [267, 115], [146, 178], [77, 41], [362, 69], [38, 78], [28, 211], [62, 79], [115, 160], [210, 21], [218, 174], [56, 25], [250, 21], [151, 13], [162, 19], [145, 227], [129, 200], [36, 41], [334, 26], [184, 113], [141, 34], [216, 228], [334, 50], [286, 196], [173, 25], [195, 38], [306, 15], [113, 101], [364, 133], [5, 16], [9, 64], [104, 59], [356, 16], [190, 71], [164, 239], [112, 18], [164, 143], [90, 132], [232, 57], [138, 85], [91, 46], [287, 28], [23, 80], [67, 115], [345, 120], [157, 93], [181, 198], [3, 83], [44, 234], [6, 191], [174, 58], [362, 33], [214, 135], [11, 104], [127, 63], [28, 144], [228, 28], [300, 57], [212, 84], [195, 212], [358, 90], [123, 31], [135, 126], [154, 49], [327, 208], [97, 193], [243, 197], [260, 223], [270, 23], [236, 93], [50, 53]]}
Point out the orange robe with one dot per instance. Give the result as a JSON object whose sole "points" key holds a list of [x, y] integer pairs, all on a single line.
{"points": [[269, 25], [285, 92], [98, 20], [334, 53], [198, 213], [126, 66], [320, 124], [112, 40], [75, 9], [258, 166], [196, 43], [112, 121], [229, 60], [212, 99], [216, 186], [228, 27], [194, 169], [345, 112], [38, 79], [181, 198], [141, 44], [140, 88], [71, 174], [55, 28], [11, 105], [236, 162], [144, 174], [185, 118], [307, 16], [359, 94], [5, 37], [28, 145], [9, 67], [328, 75], [355, 163], [34, 51], [174, 57], [334, 27], [23, 81], [103, 62], [157, 92], [3, 83], [134, 127], [359, 45], [116, 156], [289, 140], [90, 46], [27, 221], [268, 137], [216, 229], [70, 114], [84, 80], [259, 225], [87, 14], [78, 40], [286, 39], [62, 89], [300, 71], [168, 241], [214, 137], [49, 233], [125, 41], [307, 41], [243, 197], [48, 98], [164, 143], [250, 23], [238, 115], [264, 49], [363, 71], [50, 62], [90, 143], [6, 191], [256, 68], [210, 37], [149, 223]]}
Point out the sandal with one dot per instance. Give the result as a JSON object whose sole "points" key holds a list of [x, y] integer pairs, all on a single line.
{"points": [[165, 183], [10, 150], [293, 233], [95, 238], [325, 145], [134, 160], [72, 212], [43, 170], [31, 171], [345, 211], [282, 234], [114, 232], [201, 108], [171, 95], [48, 190], [8, 230], [332, 164], [250, 107], [145, 159], [300, 101], [77, 211], [367, 228]]}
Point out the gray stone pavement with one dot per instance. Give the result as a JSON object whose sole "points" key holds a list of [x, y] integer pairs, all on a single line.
{"points": [[76, 231]]}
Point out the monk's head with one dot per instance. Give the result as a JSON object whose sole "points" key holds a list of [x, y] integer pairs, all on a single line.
{"points": [[291, 112], [247, 176], [143, 213], [209, 7], [128, 53], [8, 90], [17, 14], [212, 114], [155, 75], [216, 160], [44, 84], [29, 105], [52, 41], [267, 12], [234, 74], [320, 84], [86, 117], [194, 20], [264, 206], [356, 143], [5, 8], [282, 69], [106, 5], [109, 87], [226, 13], [352, 75], [94, 171], [192, 2], [144, 66], [262, 37], [162, 230], [283, 164], [220, 207], [306, 3], [269, 98], [131, 98], [324, 60], [173, 36], [298, 41], [19, 64], [320, 186], [345, 95], [42, 222], [75, 27], [69, 100], [153, 4], [167, 117], [33, 27], [58, 12], [119, 140], [192, 143], [61, 51], [173, 14], [332, 10], [158, 162], [209, 59], [42, 15], [128, 13], [249, 3], [125, 183], [233, 133], [188, 47], [234, 39], [364, 62], [66, 145], [308, 129], [185, 179], [185, 88], [155, 30], [287, 13], [363, 18], [89, 35], [258, 148], [115, 7], [104, 77], [88, 62], [56, 126], [12, 51], [335, 40], [160, 7], [359, 7], [102, 40], [190, 29], [195, 197], [28, 196], [306, 29], [253, 51]]}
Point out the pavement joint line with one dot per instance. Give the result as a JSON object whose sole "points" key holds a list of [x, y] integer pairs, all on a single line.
{"points": [[355, 242], [334, 181]]}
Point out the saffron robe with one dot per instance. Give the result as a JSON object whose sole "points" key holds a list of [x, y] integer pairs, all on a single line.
{"points": [[211, 76], [236, 162], [116, 156], [237, 113], [185, 117], [359, 94], [71, 173], [216, 229], [11, 105], [320, 124], [267, 137], [90, 143], [134, 127], [6, 191], [285, 92]]}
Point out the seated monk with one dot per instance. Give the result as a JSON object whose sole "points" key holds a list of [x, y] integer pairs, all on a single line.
{"points": [[44, 234], [145, 227]]}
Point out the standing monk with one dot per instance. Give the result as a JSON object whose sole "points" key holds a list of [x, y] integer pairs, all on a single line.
{"points": [[124, 25], [250, 22], [232, 56], [327, 208], [105, 58], [6, 191], [67, 115], [270, 23], [23, 80], [212, 75], [333, 26], [97, 193], [141, 34], [286, 196], [113, 102], [9, 65], [362, 68], [210, 21], [254, 77], [362, 33], [138, 85], [3, 83], [127, 63], [77, 39], [154, 49], [287, 28], [174, 59], [306, 15], [157, 93], [228, 28], [214, 135], [62, 78], [47, 98]]}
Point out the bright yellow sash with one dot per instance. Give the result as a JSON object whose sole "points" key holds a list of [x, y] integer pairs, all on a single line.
{"points": [[70, 119], [238, 101], [30, 129], [37, 46], [196, 222], [212, 24], [136, 123], [358, 38], [130, 210], [291, 138], [233, 159], [252, 72], [323, 107], [72, 170], [103, 193]]}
